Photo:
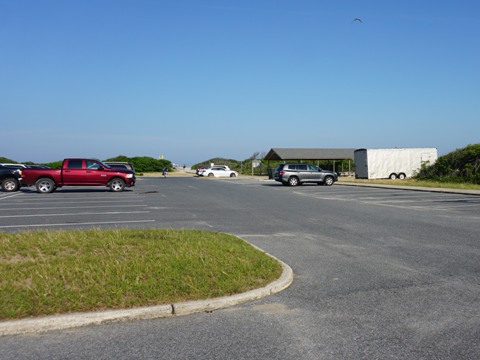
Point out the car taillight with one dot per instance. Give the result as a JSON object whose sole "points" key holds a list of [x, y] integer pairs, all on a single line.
{"points": [[282, 172]]}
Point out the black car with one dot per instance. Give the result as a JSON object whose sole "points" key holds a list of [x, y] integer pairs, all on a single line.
{"points": [[297, 174], [120, 165]]}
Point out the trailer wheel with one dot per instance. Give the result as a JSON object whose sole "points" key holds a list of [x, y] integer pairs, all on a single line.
{"points": [[402, 176], [45, 185], [392, 176]]}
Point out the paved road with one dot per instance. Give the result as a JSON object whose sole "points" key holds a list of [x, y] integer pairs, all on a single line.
{"points": [[380, 273]]}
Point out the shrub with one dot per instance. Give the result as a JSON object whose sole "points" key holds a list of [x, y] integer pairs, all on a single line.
{"points": [[145, 163], [459, 166]]}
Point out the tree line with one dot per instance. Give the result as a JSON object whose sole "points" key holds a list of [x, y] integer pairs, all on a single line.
{"points": [[140, 163]]}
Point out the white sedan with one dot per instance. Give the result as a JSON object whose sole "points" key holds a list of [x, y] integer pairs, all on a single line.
{"points": [[218, 171]]}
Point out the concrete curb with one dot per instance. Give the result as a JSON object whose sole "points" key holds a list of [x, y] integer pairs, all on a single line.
{"points": [[60, 322]]}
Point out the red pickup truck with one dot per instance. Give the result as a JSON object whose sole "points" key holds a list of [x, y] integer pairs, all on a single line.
{"points": [[75, 172]]}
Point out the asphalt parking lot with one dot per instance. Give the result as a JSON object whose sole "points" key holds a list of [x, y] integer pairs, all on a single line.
{"points": [[72, 207], [379, 273], [148, 203], [454, 203]]}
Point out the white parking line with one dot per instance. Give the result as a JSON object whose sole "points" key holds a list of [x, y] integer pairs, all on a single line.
{"points": [[68, 207], [8, 196], [58, 201], [76, 224], [76, 214]]}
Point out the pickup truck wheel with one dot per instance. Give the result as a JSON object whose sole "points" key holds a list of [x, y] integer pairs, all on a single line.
{"points": [[116, 185], [293, 181], [45, 185], [328, 181], [10, 185]]}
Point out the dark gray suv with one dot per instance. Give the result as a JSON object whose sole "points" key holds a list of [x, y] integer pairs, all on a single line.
{"points": [[297, 174]]}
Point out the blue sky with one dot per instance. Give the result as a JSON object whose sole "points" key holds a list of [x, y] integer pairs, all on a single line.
{"points": [[197, 79]]}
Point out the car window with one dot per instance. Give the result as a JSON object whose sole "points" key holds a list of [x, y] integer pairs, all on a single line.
{"points": [[92, 164], [75, 164], [302, 167], [312, 168]]}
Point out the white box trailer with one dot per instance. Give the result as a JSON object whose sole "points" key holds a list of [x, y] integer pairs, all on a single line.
{"points": [[397, 163]]}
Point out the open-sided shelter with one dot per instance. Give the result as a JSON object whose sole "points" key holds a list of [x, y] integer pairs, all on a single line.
{"points": [[310, 155]]}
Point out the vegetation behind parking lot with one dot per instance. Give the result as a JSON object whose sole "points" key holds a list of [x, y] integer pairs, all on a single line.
{"points": [[140, 163], [459, 166], [52, 272]]}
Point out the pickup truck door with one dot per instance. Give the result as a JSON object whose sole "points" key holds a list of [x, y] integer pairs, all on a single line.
{"points": [[95, 173], [73, 172]]}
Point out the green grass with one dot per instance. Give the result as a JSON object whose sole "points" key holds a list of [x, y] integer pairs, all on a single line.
{"points": [[413, 182], [53, 272]]}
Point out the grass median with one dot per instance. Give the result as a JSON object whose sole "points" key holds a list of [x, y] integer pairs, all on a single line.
{"points": [[56, 272]]}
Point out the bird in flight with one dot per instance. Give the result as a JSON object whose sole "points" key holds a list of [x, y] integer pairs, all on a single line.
{"points": [[357, 19]]}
